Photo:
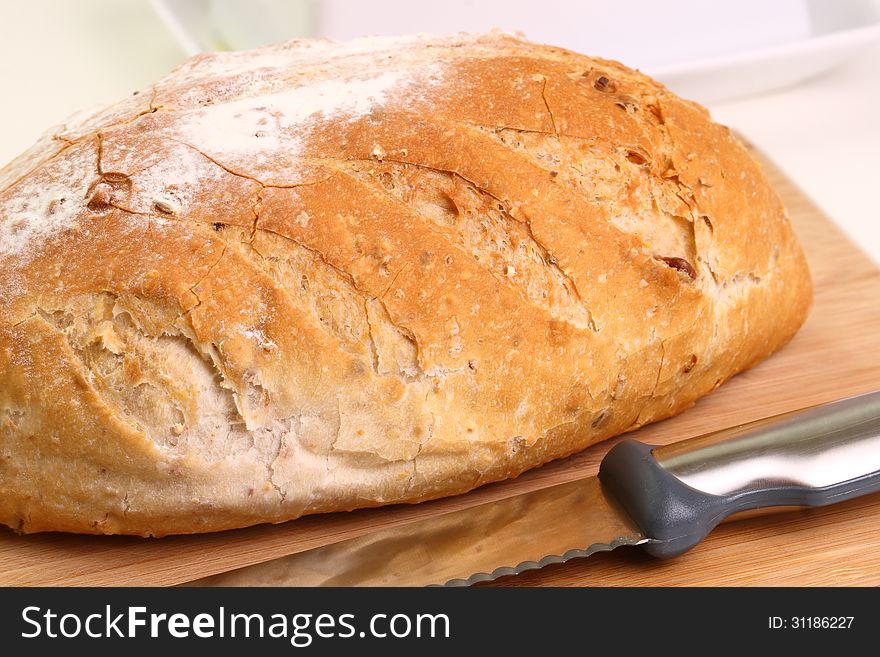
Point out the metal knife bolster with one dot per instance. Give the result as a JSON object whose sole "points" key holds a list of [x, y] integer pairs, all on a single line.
{"points": [[677, 494]]}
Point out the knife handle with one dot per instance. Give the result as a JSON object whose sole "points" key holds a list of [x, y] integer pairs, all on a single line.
{"points": [[814, 457]]}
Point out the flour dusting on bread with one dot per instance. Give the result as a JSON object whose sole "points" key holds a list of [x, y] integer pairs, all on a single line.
{"points": [[46, 204], [258, 127]]}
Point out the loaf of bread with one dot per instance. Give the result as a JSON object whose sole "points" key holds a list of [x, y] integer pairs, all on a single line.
{"points": [[320, 276]]}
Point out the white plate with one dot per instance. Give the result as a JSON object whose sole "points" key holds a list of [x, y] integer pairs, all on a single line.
{"points": [[768, 69]]}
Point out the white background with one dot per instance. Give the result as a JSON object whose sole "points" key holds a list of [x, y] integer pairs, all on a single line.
{"points": [[59, 56]]}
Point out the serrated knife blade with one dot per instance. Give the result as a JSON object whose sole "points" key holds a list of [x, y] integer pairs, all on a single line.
{"points": [[463, 547]]}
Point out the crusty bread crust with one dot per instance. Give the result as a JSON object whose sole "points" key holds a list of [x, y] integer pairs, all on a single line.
{"points": [[316, 276]]}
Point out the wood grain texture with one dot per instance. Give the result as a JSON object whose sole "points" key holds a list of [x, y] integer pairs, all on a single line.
{"points": [[836, 354]]}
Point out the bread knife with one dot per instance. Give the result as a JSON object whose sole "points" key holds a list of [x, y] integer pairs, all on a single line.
{"points": [[663, 499]]}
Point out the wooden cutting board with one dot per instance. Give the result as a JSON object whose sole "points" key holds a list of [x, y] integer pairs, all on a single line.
{"points": [[836, 354]]}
